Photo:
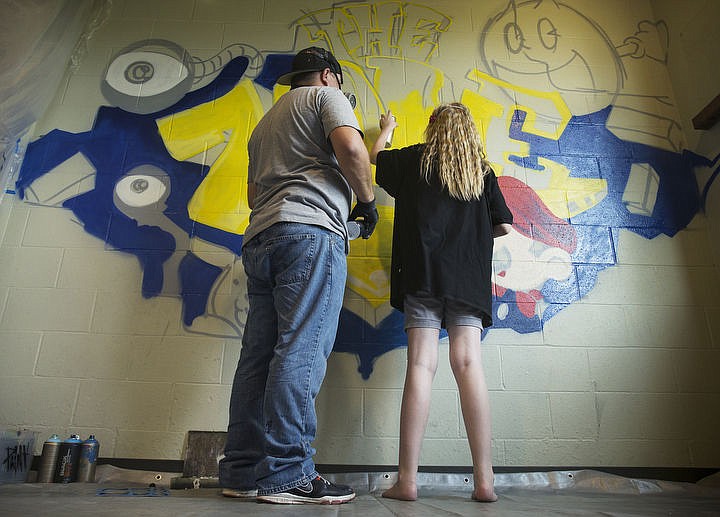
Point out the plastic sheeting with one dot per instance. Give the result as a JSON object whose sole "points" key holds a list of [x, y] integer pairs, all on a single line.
{"points": [[531, 494], [39, 40]]}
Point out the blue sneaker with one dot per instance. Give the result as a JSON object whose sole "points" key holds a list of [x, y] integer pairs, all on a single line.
{"points": [[317, 491]]}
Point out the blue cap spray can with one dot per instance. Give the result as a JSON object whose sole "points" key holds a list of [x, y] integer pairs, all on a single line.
{"points": [[89, 450]]}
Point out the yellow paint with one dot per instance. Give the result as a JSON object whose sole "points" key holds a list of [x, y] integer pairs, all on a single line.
{"points": [[562, 111], [369, 261], [221, 199], [565, 196]]}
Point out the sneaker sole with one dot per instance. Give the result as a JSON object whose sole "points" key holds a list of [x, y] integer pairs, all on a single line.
{"points": [[247, 495], [296, 499]]}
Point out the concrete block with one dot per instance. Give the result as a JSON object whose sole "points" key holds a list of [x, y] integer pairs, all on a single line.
{"points": [[176, 359], [199, 407], [685, 248], [692, 287], [159, 9], [99, 269], [461, 15], [632, 370], [124, 312], [356, 450], [48, 309], [587, 325], [545, 369], [388, 370], [4, 295], [382, 413], [84, 356], [492, 366], [231, 355], [20, 350], [83, 92], [444, 452], [119, 32], [189, 34], [123, 404], [222, 12], [704, 453], [701, 419], [624, 416], [550, 452], [498, 336], [648, 453], [132, 443], [444, 379], [444, 420], [520, 415], [54, 227], [668, 327], [340, 411], [95, 61], [263, 35], [14, 220], [713, 318], [574, 416], [35, 401]]}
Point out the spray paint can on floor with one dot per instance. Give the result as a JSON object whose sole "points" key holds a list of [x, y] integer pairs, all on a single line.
{"points": [[89, 450], [66, 471], [49, 459]]}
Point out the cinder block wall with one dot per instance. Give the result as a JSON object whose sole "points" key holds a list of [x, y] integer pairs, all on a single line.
{"points": [[624, 373]]}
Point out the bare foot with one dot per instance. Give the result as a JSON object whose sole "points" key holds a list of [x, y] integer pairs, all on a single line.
{"points": [[484, 494], [401, 492]]}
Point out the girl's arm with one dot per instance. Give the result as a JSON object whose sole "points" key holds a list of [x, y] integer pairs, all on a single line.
{"points": [[387, 124]]}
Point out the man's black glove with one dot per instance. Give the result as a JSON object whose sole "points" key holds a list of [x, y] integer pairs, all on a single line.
{"points": [[369, 215]]}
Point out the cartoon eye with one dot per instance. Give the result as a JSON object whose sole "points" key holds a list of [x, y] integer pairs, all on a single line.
{"points": [[514, 38], [140, 190], [147, 76], [548, 34], [142, 74]]}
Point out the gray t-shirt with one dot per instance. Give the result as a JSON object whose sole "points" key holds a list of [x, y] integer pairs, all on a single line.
{"points": [[292, 164]]}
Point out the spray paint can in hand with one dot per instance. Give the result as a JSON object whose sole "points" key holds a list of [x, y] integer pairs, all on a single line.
{"points": [[89, 450], [354, 229], [49, 459], [66, 471]]}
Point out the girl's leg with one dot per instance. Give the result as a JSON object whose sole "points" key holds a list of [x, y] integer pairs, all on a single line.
{"points": [[475, 403], [421, 367]]}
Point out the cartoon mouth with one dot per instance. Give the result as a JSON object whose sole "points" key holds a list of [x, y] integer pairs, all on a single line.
{"points": [[557, 75]]}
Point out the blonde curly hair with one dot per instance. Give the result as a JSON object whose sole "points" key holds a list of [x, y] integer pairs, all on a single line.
{"points": [[453, 147]]}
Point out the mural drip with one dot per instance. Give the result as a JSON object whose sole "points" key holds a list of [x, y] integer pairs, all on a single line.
{"points": [[582, 147]]}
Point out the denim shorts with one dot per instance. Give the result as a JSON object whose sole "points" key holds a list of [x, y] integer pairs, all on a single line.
{"points": [[425, 311]]}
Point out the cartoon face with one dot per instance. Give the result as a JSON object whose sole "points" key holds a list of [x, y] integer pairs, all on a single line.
{"points": [[530, 42]]}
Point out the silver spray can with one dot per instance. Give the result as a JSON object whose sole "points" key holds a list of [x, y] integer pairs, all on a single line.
{"points": [[354, 229], [66, 470], [89, 450], [49, 459]]}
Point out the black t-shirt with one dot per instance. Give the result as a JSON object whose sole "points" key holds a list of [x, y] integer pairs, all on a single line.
{"points": [[441, 245]]}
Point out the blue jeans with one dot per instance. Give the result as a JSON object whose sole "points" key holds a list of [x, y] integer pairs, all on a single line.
{"points": [[296, 280]]}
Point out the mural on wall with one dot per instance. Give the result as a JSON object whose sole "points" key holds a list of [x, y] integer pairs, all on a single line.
{"points": [[583, 149]]}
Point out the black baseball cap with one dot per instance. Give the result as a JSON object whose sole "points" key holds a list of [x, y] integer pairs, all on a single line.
{"points": [[311, 59]]}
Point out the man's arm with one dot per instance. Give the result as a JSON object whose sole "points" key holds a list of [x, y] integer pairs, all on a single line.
{"points": [[352, 155]]}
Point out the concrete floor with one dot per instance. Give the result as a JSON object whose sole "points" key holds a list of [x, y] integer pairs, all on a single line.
{"points": [[577, 493]]}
